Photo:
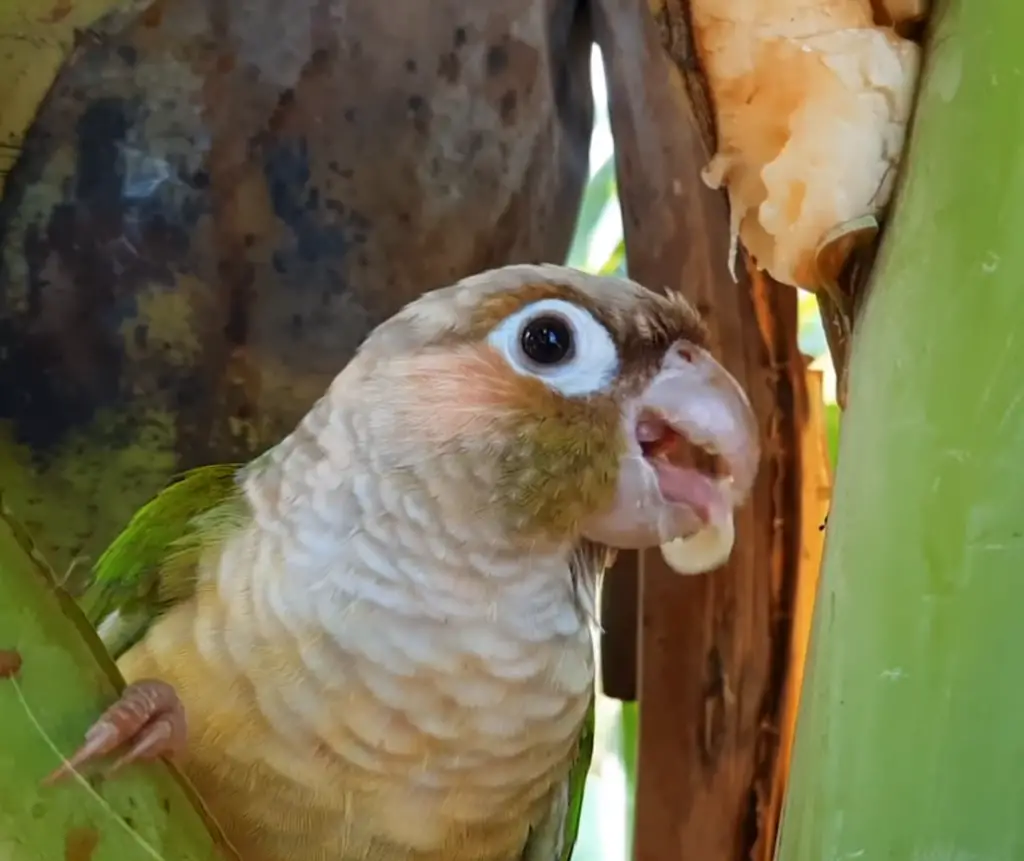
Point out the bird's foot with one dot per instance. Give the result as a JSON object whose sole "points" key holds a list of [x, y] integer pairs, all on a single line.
{"points": [[148, 718]]}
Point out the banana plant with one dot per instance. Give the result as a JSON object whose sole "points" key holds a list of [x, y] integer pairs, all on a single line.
{"points": [[909, 735]]}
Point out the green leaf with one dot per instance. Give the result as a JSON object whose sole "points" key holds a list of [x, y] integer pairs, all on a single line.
{"points": [[909, 741], [616, 262], [629, 740], [833, 415], [65, 681], [599, 195]]}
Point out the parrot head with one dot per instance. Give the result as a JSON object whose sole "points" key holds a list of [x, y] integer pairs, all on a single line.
{"points": [[573, 407]]}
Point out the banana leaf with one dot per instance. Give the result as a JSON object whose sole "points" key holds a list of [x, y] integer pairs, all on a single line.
{"points": [[55, 680]]}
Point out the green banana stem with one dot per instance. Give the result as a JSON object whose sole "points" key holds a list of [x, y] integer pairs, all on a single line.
{"points": [[910, 734]]}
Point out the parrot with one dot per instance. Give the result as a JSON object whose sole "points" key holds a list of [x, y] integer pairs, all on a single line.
{"points": [[374, 642]]}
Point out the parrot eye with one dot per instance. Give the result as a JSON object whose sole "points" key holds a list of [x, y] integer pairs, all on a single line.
{"points": [[547, 340], [560, 343]]}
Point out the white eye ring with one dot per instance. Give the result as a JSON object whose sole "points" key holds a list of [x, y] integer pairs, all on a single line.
{"points": [[589, 367]]}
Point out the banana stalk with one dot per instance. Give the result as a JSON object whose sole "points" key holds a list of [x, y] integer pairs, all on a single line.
{"points": [[909, 735]]}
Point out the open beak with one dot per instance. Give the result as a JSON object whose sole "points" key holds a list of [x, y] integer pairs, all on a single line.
{"points": [[692, 458], [699, 436]]}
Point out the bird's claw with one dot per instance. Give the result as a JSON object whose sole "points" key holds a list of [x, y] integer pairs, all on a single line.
{"points": [[148, 718]]}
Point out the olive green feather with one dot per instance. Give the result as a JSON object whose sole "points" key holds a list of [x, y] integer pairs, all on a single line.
{"points": [[577, 783], [152, 564], [554, 837]]}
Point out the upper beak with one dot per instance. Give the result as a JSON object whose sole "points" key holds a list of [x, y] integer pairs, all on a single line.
{"points": [[695, 399]]}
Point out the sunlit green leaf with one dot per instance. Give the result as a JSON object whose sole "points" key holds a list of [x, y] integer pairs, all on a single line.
{"points": [[600, 194], [629, 741], [616, 262], [832, 419]]}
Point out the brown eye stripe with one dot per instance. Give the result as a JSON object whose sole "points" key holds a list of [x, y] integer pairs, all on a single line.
{"points": [[643, 328], [645, 337]]}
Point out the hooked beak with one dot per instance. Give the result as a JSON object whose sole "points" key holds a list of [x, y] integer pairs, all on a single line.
{"points": [[692, 457]]}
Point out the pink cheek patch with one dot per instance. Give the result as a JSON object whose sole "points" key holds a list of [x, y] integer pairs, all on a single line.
{"points": [[452, 394]]}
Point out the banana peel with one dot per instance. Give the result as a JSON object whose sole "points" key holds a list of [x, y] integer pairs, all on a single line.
{"points": [[36, 37], [838, 276]]}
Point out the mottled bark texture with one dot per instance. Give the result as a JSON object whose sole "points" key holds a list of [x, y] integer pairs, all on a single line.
{"points": [[220, 198], [713, 649]]}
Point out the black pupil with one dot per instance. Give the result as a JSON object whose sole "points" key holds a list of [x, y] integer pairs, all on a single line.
{"points": [[547, 340]]}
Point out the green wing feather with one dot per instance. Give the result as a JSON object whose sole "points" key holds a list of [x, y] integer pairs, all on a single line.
{"points": [[577, 783], [553, 838], [152, 564]]}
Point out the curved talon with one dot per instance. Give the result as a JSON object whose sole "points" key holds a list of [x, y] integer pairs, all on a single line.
{"points": [[149, 715]]}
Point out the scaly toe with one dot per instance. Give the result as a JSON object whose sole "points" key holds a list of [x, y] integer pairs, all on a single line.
{"points": [[149, 716]]}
